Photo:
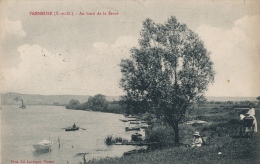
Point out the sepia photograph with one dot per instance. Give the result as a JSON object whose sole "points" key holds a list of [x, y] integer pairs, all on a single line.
{"points": [[129, 81]]}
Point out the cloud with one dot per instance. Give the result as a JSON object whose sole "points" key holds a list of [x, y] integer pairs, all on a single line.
{"points": [[234, 53], [46, 72], [104, 63], [12, 28], [101, 47], [37, 69]]}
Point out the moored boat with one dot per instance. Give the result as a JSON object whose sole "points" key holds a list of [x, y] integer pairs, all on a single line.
{"points": [[131, 116], [43, 145], [123, 120], [132, 128], [136, 137], [144, 126]]}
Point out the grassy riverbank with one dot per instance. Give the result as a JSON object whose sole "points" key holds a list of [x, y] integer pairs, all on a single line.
{"points": [[167, 157], [183, 156], [234, 151], [223, 129]]}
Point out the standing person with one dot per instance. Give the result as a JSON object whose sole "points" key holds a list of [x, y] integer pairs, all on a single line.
{"points": [[197, 140], [251, 112]]}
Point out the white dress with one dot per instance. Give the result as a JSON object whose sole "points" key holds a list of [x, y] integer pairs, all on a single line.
{"points": [[197, 142], [251, 112]]}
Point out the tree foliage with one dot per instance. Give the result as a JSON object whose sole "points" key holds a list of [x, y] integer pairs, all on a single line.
{"points": [[98, 102], [167, 72], [73, 104]]}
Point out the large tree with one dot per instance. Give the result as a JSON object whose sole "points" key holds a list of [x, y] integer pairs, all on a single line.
{"points": [[167, 72]]}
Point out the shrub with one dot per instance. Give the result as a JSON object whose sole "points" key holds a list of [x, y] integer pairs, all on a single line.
{"points": [[111, 139], [72, 104], [204, 118], [212, 127], [161, 134]]}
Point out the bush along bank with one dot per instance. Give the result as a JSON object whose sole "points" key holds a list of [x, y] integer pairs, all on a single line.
{"points": [[96, 103]]}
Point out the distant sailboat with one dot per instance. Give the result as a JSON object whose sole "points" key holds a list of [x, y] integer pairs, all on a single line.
{"points": [[22, 106]]}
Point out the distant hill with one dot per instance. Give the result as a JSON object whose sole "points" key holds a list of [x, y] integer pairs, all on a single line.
{"points": [[36, 99], [211, 98]]}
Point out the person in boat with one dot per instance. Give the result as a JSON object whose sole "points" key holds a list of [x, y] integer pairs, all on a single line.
{"points": [[250, 113], [74, 126], [197, 140]]}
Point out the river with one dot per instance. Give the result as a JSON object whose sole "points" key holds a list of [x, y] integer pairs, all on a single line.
{"points": [[21, 128]]}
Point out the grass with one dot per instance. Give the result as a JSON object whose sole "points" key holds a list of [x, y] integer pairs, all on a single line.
{"points": [[223, 129]]}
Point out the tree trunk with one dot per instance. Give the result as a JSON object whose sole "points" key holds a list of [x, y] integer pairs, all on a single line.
{"points": [[176, 134]]}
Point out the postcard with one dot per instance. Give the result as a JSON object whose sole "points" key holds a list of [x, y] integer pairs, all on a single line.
{"points": [[110, 80]]}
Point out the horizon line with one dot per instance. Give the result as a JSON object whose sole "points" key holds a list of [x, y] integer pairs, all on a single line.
{"points": [[96, 94]]}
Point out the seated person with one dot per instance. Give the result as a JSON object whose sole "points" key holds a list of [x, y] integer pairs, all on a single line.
{"points": [[74, 125], [197, 140]]}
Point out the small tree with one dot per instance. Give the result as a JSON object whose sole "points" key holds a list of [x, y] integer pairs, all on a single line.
{"points": [[73, 104], [169, 71]]}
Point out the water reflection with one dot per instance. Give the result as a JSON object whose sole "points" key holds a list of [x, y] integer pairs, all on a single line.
{"points": [[40, 152]]}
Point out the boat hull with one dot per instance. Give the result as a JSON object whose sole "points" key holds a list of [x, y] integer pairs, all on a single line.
{"points": [[38, 147], [131, 129], [44, 145], [71, 129]]}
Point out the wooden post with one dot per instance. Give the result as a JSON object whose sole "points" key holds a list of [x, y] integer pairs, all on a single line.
{"points": [[59, 141]]}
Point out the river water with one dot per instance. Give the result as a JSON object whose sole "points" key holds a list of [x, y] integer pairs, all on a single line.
{"points": [[21, 128]]}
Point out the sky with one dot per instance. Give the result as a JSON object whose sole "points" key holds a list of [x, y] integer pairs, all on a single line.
{"points": [[80, 54]]}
